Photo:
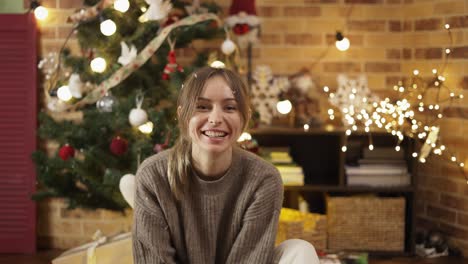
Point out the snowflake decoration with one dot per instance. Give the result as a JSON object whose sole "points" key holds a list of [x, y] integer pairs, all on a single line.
{"points": [[353, 97], [265, 92]]}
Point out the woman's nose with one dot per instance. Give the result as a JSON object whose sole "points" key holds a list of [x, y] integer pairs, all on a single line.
{"points": [[215, 116]]}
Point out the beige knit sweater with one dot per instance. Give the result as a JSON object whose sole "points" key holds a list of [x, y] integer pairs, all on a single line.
{"points": [[230, 220]]}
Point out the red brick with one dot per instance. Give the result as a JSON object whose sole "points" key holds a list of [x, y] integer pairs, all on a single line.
{"points": [[462, 219], [47, 32], [439, 184], [428, 53], [395, 26], [430, 196], [424, 223], [453, 231], [394, 1], [441, 214], [64, 31], [454, 111], [393, 54], [454, 202], [464, 83], [269, 11], [459, 52], [363, 1], [341, 67], [382, 67], [301, 11], [367, 25], [458, 21], [428, 24], [313, 2], [407, 54], [270, 39], [303, 39]]}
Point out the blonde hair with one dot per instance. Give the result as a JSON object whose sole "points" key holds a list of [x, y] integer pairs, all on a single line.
{"points": [[180, 161]]}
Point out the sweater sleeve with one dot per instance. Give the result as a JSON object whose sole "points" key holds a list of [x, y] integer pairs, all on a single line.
{"points": [[256, 240], [151, 237]]}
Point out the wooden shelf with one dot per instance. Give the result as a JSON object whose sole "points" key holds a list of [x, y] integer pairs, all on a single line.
{"points": [[337, 188]]}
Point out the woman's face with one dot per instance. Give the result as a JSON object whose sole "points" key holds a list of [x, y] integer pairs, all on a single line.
{"points": [[216, 123]]}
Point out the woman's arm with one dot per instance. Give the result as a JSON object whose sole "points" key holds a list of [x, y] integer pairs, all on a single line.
{"points": [[256, 241], [151, 238]]}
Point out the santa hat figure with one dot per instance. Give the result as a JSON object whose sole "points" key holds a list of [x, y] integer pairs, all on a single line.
{"points": [[243, 21]]}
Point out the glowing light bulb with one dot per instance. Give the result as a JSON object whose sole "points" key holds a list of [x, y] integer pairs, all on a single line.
{"points": [[422, 160], [416, 72], [462, 164], [64, 94], [121, 5], [454, 158], [447, 51], [98, 65], [41, 13], [306, 127], [397, 148], [108, 27], [344, 148], [343, 44], [218, 64], [284, 107], [447, 26], [244, 136], [326, 89], [371, 147], [146, 128], [348, 132], [415, 154]]}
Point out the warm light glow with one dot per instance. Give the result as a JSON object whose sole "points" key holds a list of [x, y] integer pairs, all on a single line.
{"points": [[447, 26], [415, 154], [342, 45], [447, 51], [454, 158], [98, 65], [434, 71], [397, 148], [344, 148], [146, 128], [218, 64], [244, 136], [306, 127], [108, 27], [422, 160], [41, 13], [371, 147], [121, 5], [326, 89], [415, 72], [284, 107], [64, 94]]}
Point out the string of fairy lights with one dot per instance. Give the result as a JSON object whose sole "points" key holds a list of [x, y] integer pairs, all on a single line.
{"points": [[415, 114]]}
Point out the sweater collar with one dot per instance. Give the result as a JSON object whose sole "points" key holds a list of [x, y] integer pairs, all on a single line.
{"points": [[223, 183]]}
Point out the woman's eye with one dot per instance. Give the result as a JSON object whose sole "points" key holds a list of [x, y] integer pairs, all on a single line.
{"points": [[202, 107], [231, 108]]}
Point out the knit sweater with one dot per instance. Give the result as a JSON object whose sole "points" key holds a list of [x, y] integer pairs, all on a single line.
{"points": [[233, 219]]}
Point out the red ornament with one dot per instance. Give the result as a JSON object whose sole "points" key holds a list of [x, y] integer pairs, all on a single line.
{"points": [[118, 146], [241, 29], [171, 65], [66, 152]]}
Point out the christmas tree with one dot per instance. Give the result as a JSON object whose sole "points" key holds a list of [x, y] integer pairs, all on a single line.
{"points": [[124, 82]]}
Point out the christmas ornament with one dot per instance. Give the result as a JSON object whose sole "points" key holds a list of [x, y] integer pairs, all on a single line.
{"points": [[64, 94], [106, 103], [98, 65], [171, 65], [66, 152], [108, 27], [228, 46], [118, 146], [137, 115], [75, 85], [121, 5], [243, 21], [265, 92], [128, 189], [157, 10], [128, 54], [89, 13]]}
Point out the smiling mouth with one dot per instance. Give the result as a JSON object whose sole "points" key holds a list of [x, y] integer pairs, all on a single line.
{"points": [[214, 134]]}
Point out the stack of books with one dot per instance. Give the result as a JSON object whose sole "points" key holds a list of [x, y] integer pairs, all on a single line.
{"points": [[291, 173], [381, 167]]}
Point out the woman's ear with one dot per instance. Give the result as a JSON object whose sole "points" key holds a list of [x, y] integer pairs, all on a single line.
{"points": [[179, 111]]}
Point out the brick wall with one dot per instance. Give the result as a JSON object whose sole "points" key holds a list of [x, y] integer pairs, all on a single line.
{"points": [[389, 38]]}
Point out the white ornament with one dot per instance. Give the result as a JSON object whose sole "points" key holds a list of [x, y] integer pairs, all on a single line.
{"points": [[265, 92], [75, 85], [98, 65], [137, 115], [128, 53], [157, 10], [228, 47], [127, 188]]}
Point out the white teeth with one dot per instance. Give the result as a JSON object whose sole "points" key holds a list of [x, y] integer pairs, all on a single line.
{"points": [[214, 134]]}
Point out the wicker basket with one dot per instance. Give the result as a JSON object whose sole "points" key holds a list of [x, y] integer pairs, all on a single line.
{"points": [[366, 223], [306, 226]]}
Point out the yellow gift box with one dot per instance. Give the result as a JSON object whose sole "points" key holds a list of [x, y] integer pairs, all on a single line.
{"points": [[103, 250]]}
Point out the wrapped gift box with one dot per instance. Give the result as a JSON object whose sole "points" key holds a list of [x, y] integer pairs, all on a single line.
{"points": [[116, 249]]}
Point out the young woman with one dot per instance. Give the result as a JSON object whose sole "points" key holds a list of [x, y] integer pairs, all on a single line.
{"points": [[206, 201]]}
